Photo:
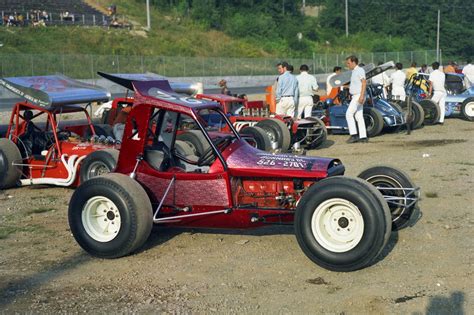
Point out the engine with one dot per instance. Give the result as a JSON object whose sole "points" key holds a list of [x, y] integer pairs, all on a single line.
{"points": [[268, 193]]}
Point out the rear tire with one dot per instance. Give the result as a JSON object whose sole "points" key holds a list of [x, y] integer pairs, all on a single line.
{"points": [[342, 223], [110, 216], [390, 177], [417, 112], [277, 131], [467, 109], [9, 174], [431, 112], [373, 122], [98, 163], [323, 134], [260, 136], [196, 139]]}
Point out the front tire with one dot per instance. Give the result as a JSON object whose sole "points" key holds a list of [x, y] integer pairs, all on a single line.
{"points": [[342, 223], [9, 173], [373, 122], [467, 109], [110, 216], [98, 163]]}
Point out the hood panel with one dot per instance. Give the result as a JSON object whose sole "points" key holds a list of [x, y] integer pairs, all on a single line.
{"points": [[245, 160]]}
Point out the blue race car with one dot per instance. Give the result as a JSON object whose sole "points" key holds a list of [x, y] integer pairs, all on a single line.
{"points": [[378, 112], [461, 105]]}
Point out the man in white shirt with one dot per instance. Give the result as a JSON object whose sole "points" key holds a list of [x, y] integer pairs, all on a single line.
{"points": [[437, 90], [382, 79], [355, 109], [307, 85], [397, 79], [329, 87], [468, 72]]}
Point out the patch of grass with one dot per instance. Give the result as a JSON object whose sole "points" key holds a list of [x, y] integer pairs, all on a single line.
{"points": [[5, 231], [431, 195], [40, 210], [49, 198], [458, 195], [465, 163]]}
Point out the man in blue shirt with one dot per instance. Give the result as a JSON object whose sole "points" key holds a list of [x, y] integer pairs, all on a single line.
{"points": [[356, 106], [287, 92]]}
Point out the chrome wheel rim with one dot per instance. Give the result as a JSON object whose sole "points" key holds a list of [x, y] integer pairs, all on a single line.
{"points": [[98, 168]]}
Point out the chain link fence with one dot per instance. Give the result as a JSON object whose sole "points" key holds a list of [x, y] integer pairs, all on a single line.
{"points": [[86, 66]]}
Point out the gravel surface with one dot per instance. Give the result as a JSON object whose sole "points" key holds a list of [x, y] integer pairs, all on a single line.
{"points": [[426, 268]]}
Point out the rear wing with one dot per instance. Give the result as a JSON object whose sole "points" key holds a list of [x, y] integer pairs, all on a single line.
{"points": [[370, 71], [127, 79], [54, 90]]}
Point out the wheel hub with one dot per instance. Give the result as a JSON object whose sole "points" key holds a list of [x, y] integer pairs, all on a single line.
{"points": [[101, 219], [343, 222], [337, 225]]}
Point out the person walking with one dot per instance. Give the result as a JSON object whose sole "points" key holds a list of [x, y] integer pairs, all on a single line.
{"points": [[335, 71], [397, 79], [287, 92], [307, 86], [437, 90], [355, 109]]}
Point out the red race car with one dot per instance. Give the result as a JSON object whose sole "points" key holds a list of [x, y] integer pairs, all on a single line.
{"points": [[41, 147], [253, 118], [341, 223]]}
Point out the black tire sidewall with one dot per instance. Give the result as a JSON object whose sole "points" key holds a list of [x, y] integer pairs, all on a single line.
{"points": [[260, 136], [378, 122], [9, 173], [463, 109], [104, 156], [405, 182], [125, 239], [374, 223], [430, 107], [283, 137]]}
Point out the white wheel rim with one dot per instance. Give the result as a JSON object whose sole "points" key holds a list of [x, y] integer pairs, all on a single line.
{"points": [[337, 225], [101, 219], [469, 109]]}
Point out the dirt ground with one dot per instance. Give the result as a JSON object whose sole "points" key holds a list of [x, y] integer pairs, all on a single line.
{"points": [[427, 268]]}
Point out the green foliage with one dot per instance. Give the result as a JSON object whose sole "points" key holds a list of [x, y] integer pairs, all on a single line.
{"points": [[257, 28]]}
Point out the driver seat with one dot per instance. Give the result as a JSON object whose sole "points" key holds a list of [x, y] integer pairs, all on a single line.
{"points": [[159, 156]]}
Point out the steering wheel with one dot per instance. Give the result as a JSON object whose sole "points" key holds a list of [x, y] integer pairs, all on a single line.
{"points": [[64, 134], [207, 156]]}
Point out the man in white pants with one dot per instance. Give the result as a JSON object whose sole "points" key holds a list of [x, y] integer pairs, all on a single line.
{"points": [[437, 89], [307, 85], [287, 92], [357, 90]]}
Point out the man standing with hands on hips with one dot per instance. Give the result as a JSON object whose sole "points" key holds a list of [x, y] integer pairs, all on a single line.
{"points": [[287, 92], [355, 109]]}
